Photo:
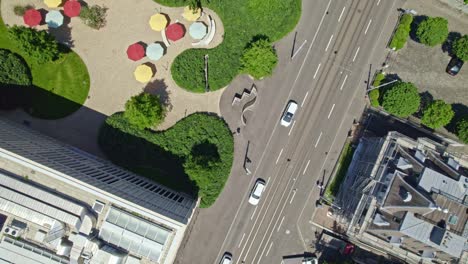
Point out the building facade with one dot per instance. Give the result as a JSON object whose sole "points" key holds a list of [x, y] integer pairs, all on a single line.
{"points": [[81, 208]]}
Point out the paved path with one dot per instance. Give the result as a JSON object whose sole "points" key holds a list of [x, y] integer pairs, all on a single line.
{"points": [[111, 72]]}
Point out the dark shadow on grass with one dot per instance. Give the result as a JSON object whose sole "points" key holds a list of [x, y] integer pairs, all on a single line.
{"points": [[461, 111], [414, 26], [448, 44]]}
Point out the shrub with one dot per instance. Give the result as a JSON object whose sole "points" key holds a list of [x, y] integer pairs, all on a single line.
{"points": [[144, 111], [374, 97], [19, 10], [38, 44], [402, 32], [259, 59], [462, 129], [379, 77], [402, 99], [460, 48], [94, 16], [437, 114], [432, 31], [13, 69], [201, 144]]}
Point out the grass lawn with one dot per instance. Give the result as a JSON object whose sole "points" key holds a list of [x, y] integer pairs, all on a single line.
{"points": [[194, 156], [59, 87], [242, 21], [343, 164]]}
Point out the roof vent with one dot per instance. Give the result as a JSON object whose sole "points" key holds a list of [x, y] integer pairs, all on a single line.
{"points": [[420, 156], [407, 197], [403, 164]]}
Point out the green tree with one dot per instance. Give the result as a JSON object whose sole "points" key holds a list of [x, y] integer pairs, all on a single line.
{"points": [[94, 16], [460, 48], [432, 31], [374, 97], [38, 44], [259, 59], [144, 111], [402, 32], [19, 10], [402, 99], [462, 129], [13, 69], [437, 114]]}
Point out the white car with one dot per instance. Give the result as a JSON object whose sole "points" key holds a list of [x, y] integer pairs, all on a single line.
{"points": [[288, 114], [226, 259], [257, 191]]}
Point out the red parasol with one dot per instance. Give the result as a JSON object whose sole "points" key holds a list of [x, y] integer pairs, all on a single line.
{"points": [[135, 52], [32, 17], [72, 8], [175, 31]]}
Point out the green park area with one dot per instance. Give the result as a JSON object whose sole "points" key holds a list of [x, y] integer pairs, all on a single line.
{"points": [[245, 22], [57, 86]]}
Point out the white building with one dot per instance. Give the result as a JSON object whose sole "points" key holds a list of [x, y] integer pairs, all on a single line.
{"points": [[78, 207]]}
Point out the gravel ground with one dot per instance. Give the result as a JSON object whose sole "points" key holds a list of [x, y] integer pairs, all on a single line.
{"points": [[425, 66]]}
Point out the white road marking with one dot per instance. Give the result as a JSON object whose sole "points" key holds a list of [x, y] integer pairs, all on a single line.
{"points": [[292, 127], [378, 3], [292, 198], [305, 97], [355, 55], [267, 182], [367, 28], [316, 71], [331, 111], [253, 213], [282, 219], [312, 43], [268, 251], [279, 156], [305, 169], [329, 43], [342, 12], [346, 77], [318, 140], [242, 239]]}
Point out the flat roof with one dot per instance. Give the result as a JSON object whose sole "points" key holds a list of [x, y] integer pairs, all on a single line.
{"points": [[14, 251]]}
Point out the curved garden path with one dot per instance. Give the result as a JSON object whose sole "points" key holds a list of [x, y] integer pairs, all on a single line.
{"points": [[111, 72]]}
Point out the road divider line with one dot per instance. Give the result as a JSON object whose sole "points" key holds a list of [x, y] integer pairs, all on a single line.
{"points": [[367, 28], [331, 111], [255, 210], [329, 43], [292, 127], [269, 248], [316, 71], [279, 156], [242, 239], [346, 77], [305, 97], [342, 12], [305, 169], [355, 55], [318, 140], [281, 223], [292, 197]]}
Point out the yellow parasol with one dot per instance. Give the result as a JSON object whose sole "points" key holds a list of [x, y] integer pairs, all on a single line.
{"points": [[53, 3], [191, 15], [143, 73], [158, 22]]}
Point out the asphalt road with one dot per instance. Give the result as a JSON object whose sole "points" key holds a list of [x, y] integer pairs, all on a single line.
{"points": [[327, 80]]}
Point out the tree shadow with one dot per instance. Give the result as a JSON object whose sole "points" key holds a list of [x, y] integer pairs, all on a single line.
{"points": [[255, 39], [426, 100], [414, 26], [159, 87], [461, 111], [448, 44], [63, 35], [205, 153]]}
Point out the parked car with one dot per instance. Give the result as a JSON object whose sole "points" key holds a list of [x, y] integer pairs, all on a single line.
{"points": [[288, 114], [226, 259], [454, 66], [257, 191]]}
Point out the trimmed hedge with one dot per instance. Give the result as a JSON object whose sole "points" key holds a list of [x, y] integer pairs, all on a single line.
{"points": [[195, 155], [402, 32], [13, 69], [38, 44], [242, 20]]}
